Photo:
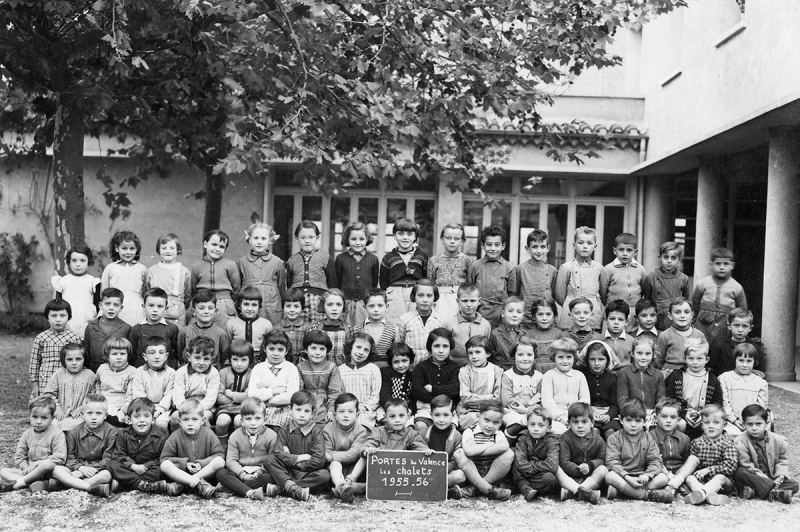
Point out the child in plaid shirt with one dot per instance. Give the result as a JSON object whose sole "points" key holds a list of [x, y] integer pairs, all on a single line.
{"points": [[293, 324], [717, 460], [332, 305], [45, 358], [415, 325], [362, 378]]}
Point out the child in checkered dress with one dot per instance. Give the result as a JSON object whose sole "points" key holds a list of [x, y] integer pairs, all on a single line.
{"points": [[70, 385], [275, 380], [717, 457], [332, 304], [293, 324], [114, 380], [362, 378], [47, 345]]}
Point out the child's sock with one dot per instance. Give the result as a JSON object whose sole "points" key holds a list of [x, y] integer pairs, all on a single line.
{"points": [[500, 468], [474, 477], [631, 492]]}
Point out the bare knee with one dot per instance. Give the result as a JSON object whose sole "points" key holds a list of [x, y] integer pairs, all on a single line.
{"points": [[48, 465]]}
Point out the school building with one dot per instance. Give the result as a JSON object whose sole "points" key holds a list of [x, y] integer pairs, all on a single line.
{"points": [[702, 145]]}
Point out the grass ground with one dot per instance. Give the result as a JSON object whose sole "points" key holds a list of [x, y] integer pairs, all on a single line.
{"points": [[136, 512]]}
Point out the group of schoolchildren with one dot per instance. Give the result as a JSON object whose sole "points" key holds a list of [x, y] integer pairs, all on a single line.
{"points": [[324, 361]]}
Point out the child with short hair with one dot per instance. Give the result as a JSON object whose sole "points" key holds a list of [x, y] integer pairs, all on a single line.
{"points": [[597, 361], [720, 352], [478, 381], [582, 456], [448, 269], [741, 388], [436, 375], [716, 295], [562, 386], [294, 323], [396, 379], [415, 325], [135, 458], [717, 460], [443, 436], [233, 383], [311, 270], [581, 331], [198, 379], [536, 278], [673, 445], [623, 277], [580, 277], [40, 449], [666, 283], [107, 325], [155, 381], [264, 272], [362, 378], [217, 274], [331, 304], [536, 456], [320, 376], [544, 333], [154, 324], [244, 472], [275, 380], [694, 386], [505, 336], [671, 343], [634, 463], [402, 268], [89, 447], [126, 273], [204, 308], [467, 322], [344, 437], [495, 276], [489, 456], [81, 290], [298, 464], [70, 385], [763, 459], [615, 335], [46, 348], [192, 454], [249, 326], [520, 389], [385, 332], [646, 314], [172, 277], [357, 271], [114, 380], [641, 379]]}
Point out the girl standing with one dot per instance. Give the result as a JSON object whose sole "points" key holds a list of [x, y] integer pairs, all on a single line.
{"points": [[127, 274], [263, 271], [78, 288], [172, 277]]}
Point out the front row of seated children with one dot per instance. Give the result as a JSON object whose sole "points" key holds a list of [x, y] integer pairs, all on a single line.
{"points": [[305, 457]]}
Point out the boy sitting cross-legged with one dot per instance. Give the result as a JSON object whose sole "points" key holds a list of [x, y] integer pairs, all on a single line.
{"points": [[633, 461], [135, 459], [717, 460], [192, 454], [89, 448], [673, 445], [536, 456], [444, 437], [344, 438], [488, 457], [244, 472], [582, 457], [298, 464]]}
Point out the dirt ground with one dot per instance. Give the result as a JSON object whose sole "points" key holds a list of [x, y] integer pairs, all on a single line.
{"points": [[72, 510]]}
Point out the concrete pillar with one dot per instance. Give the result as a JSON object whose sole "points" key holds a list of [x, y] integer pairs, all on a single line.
{"points": [[450, 208], [781, 253], [658, 222], [710, 232]]}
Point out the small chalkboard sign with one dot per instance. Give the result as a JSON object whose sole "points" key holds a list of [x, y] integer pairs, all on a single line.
{"points": [[406, 476]]}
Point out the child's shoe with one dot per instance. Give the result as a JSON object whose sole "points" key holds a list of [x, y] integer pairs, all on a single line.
{"points": [[566, 495], [454, 492], [664, 495], [717, 499], [529, 493], [115, 487], [587, 495], [696, 497], [205, 490], [257, 494], [469, 492], [101, 490], [6, 487], [499, 494], [152, 487], [174, 489], [359, 488], [611, 493], [784, 496], [683, 490], [747, 493], [296, 492]]}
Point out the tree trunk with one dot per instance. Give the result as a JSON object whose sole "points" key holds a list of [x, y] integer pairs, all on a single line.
{"points": [[68, 179], [213, 214]]}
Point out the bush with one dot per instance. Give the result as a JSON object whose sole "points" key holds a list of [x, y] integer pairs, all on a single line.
{"points": [[16, 257], [18, 323]]}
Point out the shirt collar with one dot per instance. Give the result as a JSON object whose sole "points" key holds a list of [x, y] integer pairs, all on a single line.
{"points": [[366, 321], [640, 331], [97, 433], [529, 373], [509, 328], [356, 366], [162, 321], [401, 432], [581, 263], [649, 369], [354, 254], [252, 257], [618, 264], [410, 251], [299, 322], [159, 370], [335, 323], [206, 258], [462, 319], [622, 335], [306, 430]]}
